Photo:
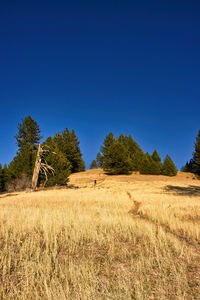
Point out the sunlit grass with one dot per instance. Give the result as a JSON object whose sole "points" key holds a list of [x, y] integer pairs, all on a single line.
{"points": [[96, 243]]}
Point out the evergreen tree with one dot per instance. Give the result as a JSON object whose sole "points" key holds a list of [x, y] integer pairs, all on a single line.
{"points": [[156, 165], [28, 133], [156, 156], [1, 179], [119, 161], [58, 161], [131, 155], [169, 167], [136, 161], [93, 164], [16, 167], [105, 157], [146, 165], [151, 164], [135, 153], [196, 155], [155, 168], [114, 156], [27, 138], [189, 167], [99, 160], [67, 142]]}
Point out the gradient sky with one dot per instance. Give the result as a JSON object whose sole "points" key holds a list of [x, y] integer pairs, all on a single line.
{"points": [[99, 66]]}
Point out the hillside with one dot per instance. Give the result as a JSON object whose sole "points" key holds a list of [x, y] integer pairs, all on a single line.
{"points": [[87, 178], [128, 237]]}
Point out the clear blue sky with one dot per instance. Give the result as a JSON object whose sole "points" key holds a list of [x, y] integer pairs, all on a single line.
{"points": [[101, 66]]}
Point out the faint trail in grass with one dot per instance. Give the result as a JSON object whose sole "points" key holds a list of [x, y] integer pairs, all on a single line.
{"points": [[193, 270]]}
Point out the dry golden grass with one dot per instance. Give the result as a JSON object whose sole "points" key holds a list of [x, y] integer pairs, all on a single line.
{"points": [[130, 237]]}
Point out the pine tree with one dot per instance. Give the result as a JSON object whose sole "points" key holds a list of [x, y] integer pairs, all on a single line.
{"points": [[196, 155], [104, 158], [189, 167], [119, 161], [136, 161], [99, 160], [58, 161], [93, 164], [67, 142], [1, 179], [169, 167], [114, 156], [156, 164], [135, 153], [146, 165], [27, 138], [156, 156], [28, 133]]}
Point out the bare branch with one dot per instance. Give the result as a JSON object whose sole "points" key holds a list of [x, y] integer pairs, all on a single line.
{"points": [[41, 167]]}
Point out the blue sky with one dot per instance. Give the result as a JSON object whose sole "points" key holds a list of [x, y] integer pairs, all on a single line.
{"points": [[99, 66]]}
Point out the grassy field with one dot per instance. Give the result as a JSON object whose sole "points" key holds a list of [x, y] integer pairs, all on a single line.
{"points": [[129, 237]]}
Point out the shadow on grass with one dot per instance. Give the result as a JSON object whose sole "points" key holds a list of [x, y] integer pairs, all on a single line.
{"points": [[191, 190], [8, 195], [116, 173]]}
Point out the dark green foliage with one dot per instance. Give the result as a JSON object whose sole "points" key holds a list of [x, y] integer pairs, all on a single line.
{"points": [[156, 156], [135, 153], [58, 161], [28, 133], [63, 155], [28, 137], [189, 166], [169, 167], [146, 164], [136, 161], [23, 162], [193, 165], [3, 178], [105, 159], [93, 165], [67, 142], [123, 155], [99, 160], [114, 156], [156, 168], [151, 164], [131, 152], [119, 162], [156, 163], [196, 155]]}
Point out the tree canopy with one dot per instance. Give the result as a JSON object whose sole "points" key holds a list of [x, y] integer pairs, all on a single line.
{"points": [[196, 155], [122, 155], [68, 143], [169, 168], [93, 164], [28, 133], [62, 153], [193, 165]]}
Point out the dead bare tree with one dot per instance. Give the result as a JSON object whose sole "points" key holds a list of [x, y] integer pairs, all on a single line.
{"points": [[40, 167]]}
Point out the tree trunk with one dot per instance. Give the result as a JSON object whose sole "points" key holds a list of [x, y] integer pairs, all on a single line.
{"points": [[37, 168]]}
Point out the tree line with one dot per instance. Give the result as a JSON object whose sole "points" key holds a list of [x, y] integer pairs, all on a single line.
{"points": [[122, 155], [61, 152], [193, 166]]}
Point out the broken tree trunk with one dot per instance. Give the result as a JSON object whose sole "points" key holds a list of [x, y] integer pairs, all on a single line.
{"points": [[37, 168]]}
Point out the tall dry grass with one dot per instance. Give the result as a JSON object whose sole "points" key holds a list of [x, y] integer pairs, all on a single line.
{"points": [[119, 240]]}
